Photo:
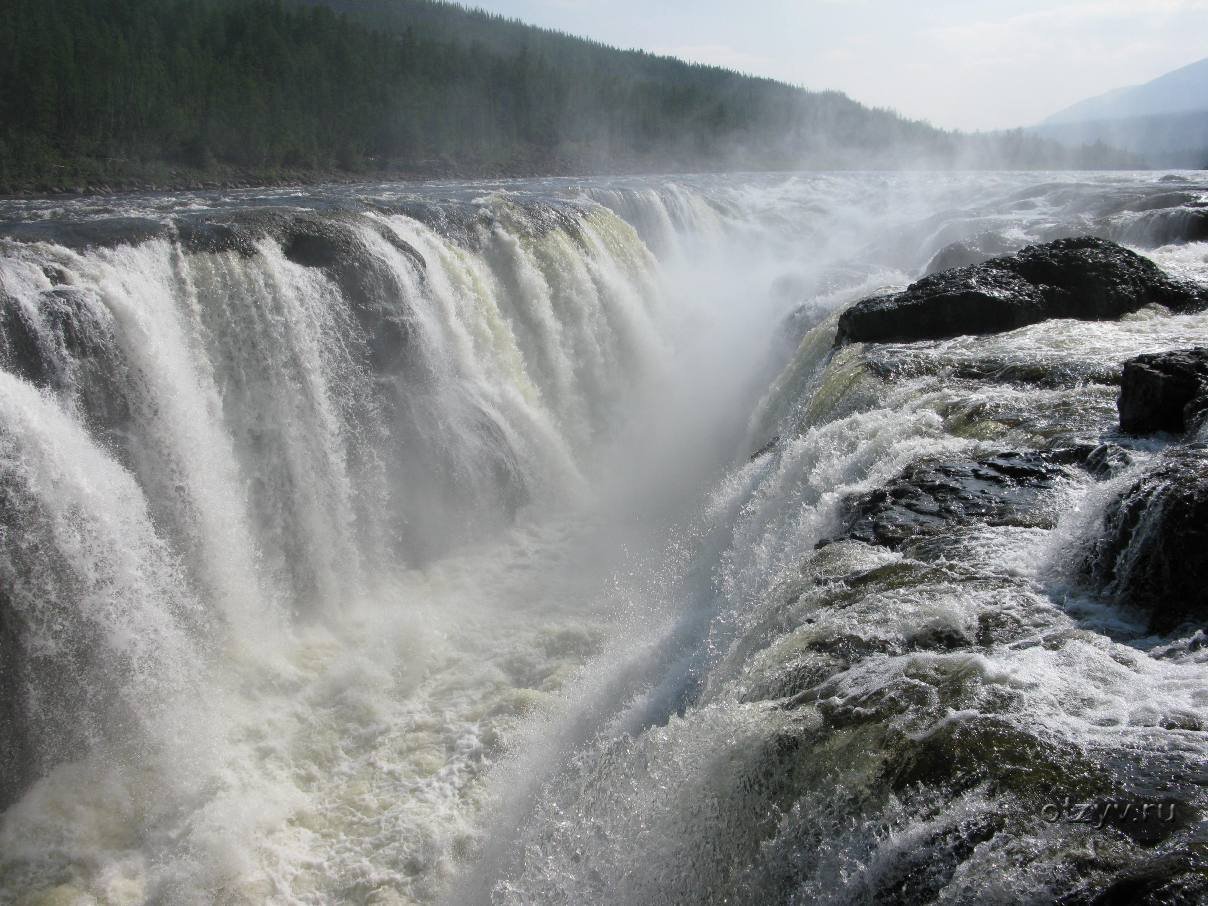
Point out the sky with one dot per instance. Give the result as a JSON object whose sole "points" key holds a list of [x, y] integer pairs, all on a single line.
{"points": [[963, 64]]}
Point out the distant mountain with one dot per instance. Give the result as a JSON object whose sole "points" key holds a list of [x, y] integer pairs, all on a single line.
{"points": [[174, 92], [1165, 121], [1180, 92]]}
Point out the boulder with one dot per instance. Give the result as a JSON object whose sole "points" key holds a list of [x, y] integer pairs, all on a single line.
{"points": [[331, 241], [930, 499], [1153, 553], [1165, 391], [1087, 278], [1169, 226], [974, 250]]}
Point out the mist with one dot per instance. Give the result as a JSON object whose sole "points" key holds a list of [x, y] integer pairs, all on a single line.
{"points": [[445, 461]]}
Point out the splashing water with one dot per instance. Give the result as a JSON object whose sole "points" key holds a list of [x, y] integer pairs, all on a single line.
{"points": [[402, 545]]}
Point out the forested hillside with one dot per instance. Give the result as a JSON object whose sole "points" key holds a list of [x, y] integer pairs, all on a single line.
{"points": [[176, 91]]}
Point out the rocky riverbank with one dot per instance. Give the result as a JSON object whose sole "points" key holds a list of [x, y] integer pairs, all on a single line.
{"points": [[989, 638], [1153, 553]]}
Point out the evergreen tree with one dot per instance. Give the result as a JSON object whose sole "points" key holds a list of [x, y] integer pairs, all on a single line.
{"points": [[101, 90]]}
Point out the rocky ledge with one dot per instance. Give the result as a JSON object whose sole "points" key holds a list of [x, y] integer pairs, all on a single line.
{"points": [[1165, 391], [931, 500], [1153, 554], [1087, 279]]}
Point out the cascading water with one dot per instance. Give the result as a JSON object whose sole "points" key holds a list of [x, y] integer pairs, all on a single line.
{"points": [[391, 546]]}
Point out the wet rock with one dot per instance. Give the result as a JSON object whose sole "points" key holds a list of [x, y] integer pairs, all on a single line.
{"points": [[334, 242], [977, 299], [64, 342], [324, 240], [1088, 279], [765, 449], [20, 349], [15, 754], [1170, 226], [214, 237], [1108, 461], [1165, 391], [319, 243], [963, 754], [83, 234], [1153, 553], [901, 363], [920, 873], [367, 282], [55, 274], [937, 498], [470, 224], [1175, 878], [975, 250], [1162, 200]]}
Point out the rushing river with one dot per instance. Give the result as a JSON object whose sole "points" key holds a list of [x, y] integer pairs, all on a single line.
{"points": [[387, 545]]}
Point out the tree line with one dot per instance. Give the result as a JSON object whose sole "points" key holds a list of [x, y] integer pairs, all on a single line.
{"points": [[163, 90]]}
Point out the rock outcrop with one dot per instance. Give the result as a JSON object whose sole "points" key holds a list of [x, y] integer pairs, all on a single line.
{"points": [[1088, 279], [1153, 553], [1166, 391], [974, 250], [939, 498]]}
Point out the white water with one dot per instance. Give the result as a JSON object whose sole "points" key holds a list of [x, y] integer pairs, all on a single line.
{"points": [[479, 617]]}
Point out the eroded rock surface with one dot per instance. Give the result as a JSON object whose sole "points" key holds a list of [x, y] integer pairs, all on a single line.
{"points": [[1087, 279]]}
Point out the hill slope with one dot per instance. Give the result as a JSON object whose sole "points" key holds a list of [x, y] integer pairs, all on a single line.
{"points": [[174, 91], [1165, 121], [1182, 91]]}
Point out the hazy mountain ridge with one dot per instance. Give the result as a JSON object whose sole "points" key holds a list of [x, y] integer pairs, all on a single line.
{"points": [[1166, 140], [170, 92], [1185, 90], [1165, 120]]}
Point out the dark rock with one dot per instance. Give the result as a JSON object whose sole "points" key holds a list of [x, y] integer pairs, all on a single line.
{"points": [[1162, 200], [370, 286], [1171, 226], [329, 241], [55, 274], [85, 234], [64, 342], [319, 243], [975, 299], [21, 350], [975, 250], [895, 363], [35, 344], [765, 449], [1163, 391], [1175, 878], [1153, 554], [1089, 279], [1107, 461], [930, 498], [16, 757], [213, 237]]}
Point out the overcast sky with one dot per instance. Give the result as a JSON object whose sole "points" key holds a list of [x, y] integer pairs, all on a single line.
{"points": [[970, 64]]}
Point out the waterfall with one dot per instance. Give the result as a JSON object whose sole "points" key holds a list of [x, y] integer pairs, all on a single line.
{"points": [[470, 543], [226, 436], [102, 636]]}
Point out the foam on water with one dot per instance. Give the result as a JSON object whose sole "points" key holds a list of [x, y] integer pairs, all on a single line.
{"points": [[446, 574]]}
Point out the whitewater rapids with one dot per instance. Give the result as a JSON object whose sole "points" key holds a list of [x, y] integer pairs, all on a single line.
{"points": [[405, 545]]}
